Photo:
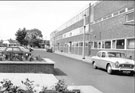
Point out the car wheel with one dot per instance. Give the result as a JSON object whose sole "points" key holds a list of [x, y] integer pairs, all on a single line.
{"points": [[109, 69], [131, 73], [94, 65]]}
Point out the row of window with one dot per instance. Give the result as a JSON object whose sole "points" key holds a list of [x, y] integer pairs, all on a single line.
{"points": [[129, 16], [78, 31], [109, 44], [74, 19], [74, 32], [115, 44]]}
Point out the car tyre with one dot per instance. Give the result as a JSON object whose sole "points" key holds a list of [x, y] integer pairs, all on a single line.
{"points": [[131, 73], [94, 65], [109, 69]]}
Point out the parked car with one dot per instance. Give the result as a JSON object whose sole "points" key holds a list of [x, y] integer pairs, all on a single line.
{"points": [[16, 52], [1, 53], [113, 61], [30, 49], [49, 50]]}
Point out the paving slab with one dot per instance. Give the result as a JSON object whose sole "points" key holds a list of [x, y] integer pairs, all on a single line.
{"points": [[85, 89], [40, 80]]}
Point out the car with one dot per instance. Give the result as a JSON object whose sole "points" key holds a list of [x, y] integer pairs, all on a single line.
{"points": [[49, 50], [16, 52], [30, 49], [113, 61], [1, 53]]}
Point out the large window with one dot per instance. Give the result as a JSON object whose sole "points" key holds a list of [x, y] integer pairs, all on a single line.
{"points": [[108, 44], [130, 16], [120, 44], [95, 44], [103, 44], [131, 43], [113, 44]]}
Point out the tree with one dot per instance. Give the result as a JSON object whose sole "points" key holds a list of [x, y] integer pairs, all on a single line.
{"points": [[31, 37], [34, 34], [20, 36], [34, 37]]}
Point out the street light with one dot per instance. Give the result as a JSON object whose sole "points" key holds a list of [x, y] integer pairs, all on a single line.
{"points": [[84, 26]]}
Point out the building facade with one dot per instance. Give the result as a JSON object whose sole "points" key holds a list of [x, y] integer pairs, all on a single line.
{"points": [[104, 25]]}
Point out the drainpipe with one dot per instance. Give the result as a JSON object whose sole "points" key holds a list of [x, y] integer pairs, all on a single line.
{"points": [[84, 26]]}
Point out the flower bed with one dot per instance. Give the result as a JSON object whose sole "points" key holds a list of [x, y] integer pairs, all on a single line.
{"points": [[8, 87], [43, 65]]}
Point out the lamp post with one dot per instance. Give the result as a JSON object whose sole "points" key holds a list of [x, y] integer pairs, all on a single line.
{"points": [[84, 26]]}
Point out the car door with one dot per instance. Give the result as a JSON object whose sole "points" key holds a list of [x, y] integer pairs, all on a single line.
{"points": [[97, 59], [103, 60], [8, 52]]}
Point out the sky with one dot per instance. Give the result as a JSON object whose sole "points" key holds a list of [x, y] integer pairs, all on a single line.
{"points": [[46, 16]]}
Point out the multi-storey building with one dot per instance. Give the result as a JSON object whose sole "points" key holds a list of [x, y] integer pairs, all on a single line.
{"points": [[104, 25]]}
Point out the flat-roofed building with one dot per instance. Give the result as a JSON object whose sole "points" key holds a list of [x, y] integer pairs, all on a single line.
{"points": [[109, 25]]}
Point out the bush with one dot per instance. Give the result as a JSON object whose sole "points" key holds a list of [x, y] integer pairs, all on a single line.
{"points": [[8, 87]]}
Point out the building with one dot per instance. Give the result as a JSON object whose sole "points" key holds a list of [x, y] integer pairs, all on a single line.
{"points": [[9, 42], [104, 25]]}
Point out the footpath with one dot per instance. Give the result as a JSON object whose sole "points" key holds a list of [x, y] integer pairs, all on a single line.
{"points": [[74, 56]]}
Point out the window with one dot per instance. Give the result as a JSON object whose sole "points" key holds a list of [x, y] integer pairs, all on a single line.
{"points": [[9, 49], [104, 17], [108, 44], [98, 20], [120, 44], [103, 44], [81, 44], [76, 44], [95, 44], [109, 16], [99, 54], [114, 44], [130, 8], [87, 12], [116, 13], [103, 54], [130, 16], [99, 44], [86, 44], [131, 43], [70, 34], [91, 44], [122, 11]]}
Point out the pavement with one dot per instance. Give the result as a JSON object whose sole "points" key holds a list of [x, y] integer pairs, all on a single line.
{"points": [[74, 56], [42, 80], [39, 80], [49, 80]]}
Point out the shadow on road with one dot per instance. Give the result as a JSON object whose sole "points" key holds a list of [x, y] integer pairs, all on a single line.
{"points": [[58, 72]]}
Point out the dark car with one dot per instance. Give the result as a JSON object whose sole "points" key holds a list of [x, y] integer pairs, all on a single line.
{"points": [[49, 50], [1, 53], [16, 53]]}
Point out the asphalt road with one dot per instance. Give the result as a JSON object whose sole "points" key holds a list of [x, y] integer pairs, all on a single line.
{"points": [[80, 73]]}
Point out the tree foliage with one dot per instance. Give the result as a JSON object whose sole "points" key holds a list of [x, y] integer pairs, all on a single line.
{"points": [[20, 36], [31, 37]]}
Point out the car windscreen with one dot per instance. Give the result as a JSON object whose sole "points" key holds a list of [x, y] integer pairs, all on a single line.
{"points": [[24, 49], [2, 48], [116, 54]]}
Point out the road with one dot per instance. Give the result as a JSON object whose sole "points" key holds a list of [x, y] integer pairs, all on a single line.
{"points": [[81, 73]]}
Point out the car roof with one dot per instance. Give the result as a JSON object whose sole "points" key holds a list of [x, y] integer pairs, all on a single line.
{"points": [[14, 46], [109, 51]]}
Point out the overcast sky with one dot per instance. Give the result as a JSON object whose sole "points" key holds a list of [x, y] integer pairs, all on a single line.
{"points": [[46, 16]]}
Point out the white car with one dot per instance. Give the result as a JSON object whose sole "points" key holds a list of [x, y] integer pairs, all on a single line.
{"points": [[113, 61]]}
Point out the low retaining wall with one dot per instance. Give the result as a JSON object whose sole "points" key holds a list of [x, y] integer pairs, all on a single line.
{"points": [[45, 66]]}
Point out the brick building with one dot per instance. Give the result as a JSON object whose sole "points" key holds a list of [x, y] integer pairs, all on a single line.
{"points": [[104, 25]]}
